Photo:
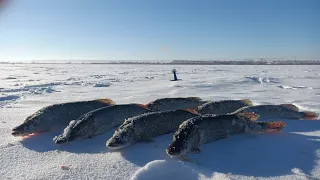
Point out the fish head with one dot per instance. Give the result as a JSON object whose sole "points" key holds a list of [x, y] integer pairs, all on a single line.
{"points": [[29, 126], [184, 141], [123, 137]]}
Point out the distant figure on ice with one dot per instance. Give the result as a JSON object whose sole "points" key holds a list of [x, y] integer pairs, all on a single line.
{"points": [[174, 71]]}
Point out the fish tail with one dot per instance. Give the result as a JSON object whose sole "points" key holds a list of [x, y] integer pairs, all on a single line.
{"points": [[107, 101], [193, 111], [290, 106], [272, 126], [247, 102], [310, 115]]}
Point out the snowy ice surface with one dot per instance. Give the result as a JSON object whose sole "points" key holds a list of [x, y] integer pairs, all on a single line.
{"points": [[292, 154]]}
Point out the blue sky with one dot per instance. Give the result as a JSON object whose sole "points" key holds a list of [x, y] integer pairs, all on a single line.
{"points": [[138, 29]]}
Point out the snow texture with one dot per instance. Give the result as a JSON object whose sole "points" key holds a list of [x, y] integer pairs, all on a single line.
{"points": [[165, 169], [292, 154]]}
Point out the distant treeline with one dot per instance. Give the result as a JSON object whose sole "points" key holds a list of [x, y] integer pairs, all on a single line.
{"points": [[250, 62], [245, 62], [184, 62]]}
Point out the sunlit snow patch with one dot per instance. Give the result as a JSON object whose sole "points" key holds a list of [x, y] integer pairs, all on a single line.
{"points": [[294, 87], [165, 169], [263, 80]]}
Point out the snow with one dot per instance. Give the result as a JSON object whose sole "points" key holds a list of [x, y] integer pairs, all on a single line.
{"points": [[263, 80], [8, 98], [295, 87], [292, 154], [165, 169]]}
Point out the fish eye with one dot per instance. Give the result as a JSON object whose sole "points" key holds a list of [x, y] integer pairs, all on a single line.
{"points": [[117, 138]]}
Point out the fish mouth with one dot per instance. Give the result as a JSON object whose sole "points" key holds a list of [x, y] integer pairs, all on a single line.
{"points": [[116, 146], [19, 133], [170, 151], [60, 140], [110, 144], [173, 155]]}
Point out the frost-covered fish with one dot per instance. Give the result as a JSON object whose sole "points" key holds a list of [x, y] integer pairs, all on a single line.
{"points": [[284, 111], [207, 128], [166, 104], [99, 121], [145, 127], [57, 116], [223, 106]]}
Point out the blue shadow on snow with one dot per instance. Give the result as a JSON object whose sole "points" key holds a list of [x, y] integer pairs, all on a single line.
{"points": [[44, 142], [262, 156]]}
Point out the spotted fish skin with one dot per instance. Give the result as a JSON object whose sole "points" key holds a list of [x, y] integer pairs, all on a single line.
{"points": [[57, 116], [99, 121], [223, 106], [145, 127], [283, 111], [166, 104], [208, 128]]}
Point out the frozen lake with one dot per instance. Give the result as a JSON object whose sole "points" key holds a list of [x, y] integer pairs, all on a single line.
{"points": [[292, 154]]}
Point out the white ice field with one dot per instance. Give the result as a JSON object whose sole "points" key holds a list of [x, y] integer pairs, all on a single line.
{"points": [[292, 154]]}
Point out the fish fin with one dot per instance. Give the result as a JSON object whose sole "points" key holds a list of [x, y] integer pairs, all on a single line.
{"points": [[247, 102], [196, 145], [107, 101], [196, 150], [144, 106], [272, 126], [193, 111], [249, 115], [290, 106], [310, 115], [223, 135], [251, 130]]}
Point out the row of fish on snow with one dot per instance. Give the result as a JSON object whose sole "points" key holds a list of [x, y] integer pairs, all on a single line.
{"points": [[193, 120]]}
